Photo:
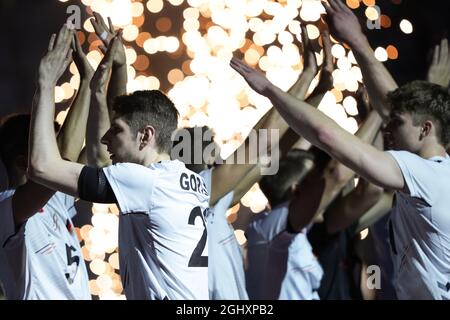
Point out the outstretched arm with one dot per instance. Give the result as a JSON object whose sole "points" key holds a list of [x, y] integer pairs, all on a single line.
{"points": [[345, 27], [299, 89], [439, 71], [378, 167], [71, 136], [45, 163], [320, 188], [226, 178], [22, 207]]}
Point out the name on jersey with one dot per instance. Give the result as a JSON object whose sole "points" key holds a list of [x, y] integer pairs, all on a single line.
{"points": [[193, 183]]}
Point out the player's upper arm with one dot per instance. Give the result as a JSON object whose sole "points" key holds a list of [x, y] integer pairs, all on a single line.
{"points": [[60, 175], [376, 166]]}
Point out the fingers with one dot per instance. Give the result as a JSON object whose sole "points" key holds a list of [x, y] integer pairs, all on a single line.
{"points": [[305, 38], [436, 55], [73, 46], [334, 5], [307, 45], [111, 27], [51, 44], [96, 26], [328, 65], [444, 51], [100, 21], [77, 44], [241, 65], [68, 59], [103, 49], [112, 49], [327, 7], [341, 5], [237, 65], [62, 37]]}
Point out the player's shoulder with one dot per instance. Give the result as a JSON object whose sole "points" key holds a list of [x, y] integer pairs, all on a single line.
{"points": [[410, 157], [128, 170]]}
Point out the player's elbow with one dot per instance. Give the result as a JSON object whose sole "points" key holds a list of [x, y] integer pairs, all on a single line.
{"points": [[38, 170]]}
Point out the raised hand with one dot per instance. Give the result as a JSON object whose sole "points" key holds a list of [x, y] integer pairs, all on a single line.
{"points": [[342, 22], [256, 80], [106, 34], [84, 67], [58, 57], [99, 81], [439, 70]]}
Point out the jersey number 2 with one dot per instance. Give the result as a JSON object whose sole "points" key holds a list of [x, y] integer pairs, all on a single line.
{"points": [[197, 260]]}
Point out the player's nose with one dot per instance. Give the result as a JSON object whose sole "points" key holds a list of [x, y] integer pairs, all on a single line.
{"points": [[104, 140]]}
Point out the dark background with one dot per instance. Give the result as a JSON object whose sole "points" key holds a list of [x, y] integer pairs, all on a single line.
{"points": [[26, 26]]}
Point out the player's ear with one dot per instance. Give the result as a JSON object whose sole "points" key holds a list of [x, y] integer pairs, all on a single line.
{"points": [[147, 137], [426, 129]]}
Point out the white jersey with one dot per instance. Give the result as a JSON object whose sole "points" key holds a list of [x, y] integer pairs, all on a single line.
{"points": [[42, 260], [226, 263], [419, 228], [163, 248], [281, 265]]}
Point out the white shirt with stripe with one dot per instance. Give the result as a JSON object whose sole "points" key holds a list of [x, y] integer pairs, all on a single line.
{"points": [[42, 260], [281, 265], [419, 228], [163, 247], [226, 264]]}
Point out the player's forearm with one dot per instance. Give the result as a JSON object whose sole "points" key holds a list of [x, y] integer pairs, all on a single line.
{"points": [[376, 212], [43, 148], [350, 208], [304, 119], [377, 78], [370, 127], [99, 123], [300, 88], [71, 136], [117, 84]]}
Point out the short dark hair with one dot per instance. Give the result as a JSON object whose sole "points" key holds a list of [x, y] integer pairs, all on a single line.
{"points": [[292, 168], [14, 132], [424, 101], [149, 107]]}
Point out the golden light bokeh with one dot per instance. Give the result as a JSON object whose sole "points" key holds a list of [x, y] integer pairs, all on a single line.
{"points": [[205, 90]]}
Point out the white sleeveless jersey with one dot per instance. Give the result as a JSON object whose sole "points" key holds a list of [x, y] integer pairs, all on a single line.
{"points": [[281, 265], [419, 228], [163, 247], [42, 260], [226, 263]]}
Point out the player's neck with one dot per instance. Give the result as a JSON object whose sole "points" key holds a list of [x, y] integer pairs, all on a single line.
{"points": [[156, 157], [431, 150]]}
